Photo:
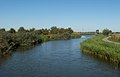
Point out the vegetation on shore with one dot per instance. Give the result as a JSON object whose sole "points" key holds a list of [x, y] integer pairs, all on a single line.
{"points": [[108, 51], [115, 38], [10, 40]]}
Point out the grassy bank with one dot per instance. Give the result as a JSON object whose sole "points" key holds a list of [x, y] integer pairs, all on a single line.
{"points": [[107, 51]]}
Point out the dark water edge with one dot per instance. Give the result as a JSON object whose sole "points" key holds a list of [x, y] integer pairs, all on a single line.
{"points": [[62, 58]]}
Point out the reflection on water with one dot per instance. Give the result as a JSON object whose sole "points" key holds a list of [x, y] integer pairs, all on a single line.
{"points": [[25, 48], [61, 58]]}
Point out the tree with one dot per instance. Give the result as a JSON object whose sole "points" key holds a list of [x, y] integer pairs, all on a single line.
{"points": [[31, 30], [21, 29], [2, 29], [46, 31], [110, 31], [54, 30], [106, 31], [97, 31], [12, 30], [70, 30]]}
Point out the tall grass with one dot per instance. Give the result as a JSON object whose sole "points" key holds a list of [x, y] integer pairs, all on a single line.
{"points": [[96, 46], [115, 37]]}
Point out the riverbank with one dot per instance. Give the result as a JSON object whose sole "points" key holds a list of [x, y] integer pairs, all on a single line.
{"points": [[11, 40], [97, 47]]}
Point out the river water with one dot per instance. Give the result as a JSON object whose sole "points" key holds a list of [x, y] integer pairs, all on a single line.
{"points": [[61, 58]]}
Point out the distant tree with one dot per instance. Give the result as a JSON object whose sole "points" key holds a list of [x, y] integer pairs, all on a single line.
{"points": [[46, 31], [2, 29], [106, 31], [12, 30], [61, 31], [33, 29], [110, 31], [21, 29], [97, 31], [54, 30], [70, 30], [38, 32]]}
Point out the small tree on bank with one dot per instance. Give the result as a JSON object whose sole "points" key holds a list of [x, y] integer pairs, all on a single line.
{"points": [[12, 30], [106, 31], [2, 29], [97, 31], [21, 29]]}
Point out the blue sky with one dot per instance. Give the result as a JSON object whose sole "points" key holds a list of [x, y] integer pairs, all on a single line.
{"points": [[80, 15]]}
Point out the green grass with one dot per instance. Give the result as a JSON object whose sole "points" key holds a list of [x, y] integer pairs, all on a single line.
{"points": [[97, 46]]}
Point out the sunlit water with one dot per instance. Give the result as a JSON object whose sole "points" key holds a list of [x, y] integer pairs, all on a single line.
{"points": [[61, 58]]}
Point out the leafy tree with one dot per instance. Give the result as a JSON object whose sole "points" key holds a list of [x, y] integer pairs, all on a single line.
{"points": [[45, 31], [2, 29], [110, 31], [54, 30], [12, 30], [31, 30], [21, 29], [97, 31], [70, 30], [28, 38], [38, 32], [106, 31]]}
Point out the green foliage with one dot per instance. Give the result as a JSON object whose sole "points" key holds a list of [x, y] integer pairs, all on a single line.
{"points": [[75, 35], [32, 30], [45, 31], [106, 31], [96, 45], [44, 38], [64, 36], [32, 37], [55, 30], [2, 29], [12, 30], [7, 42], [21, 29], [97, 31], [27, 38]]}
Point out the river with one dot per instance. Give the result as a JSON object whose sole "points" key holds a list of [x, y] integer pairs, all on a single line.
{"points": [[62, 58]]}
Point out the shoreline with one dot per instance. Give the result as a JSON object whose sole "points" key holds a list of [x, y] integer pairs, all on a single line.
{"points": [[101, 57], [8, 53], [96, 47]]}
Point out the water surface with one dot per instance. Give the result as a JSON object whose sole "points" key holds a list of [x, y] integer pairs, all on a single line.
{"points": [[61, 58]]}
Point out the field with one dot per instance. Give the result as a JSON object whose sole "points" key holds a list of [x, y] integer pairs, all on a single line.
{"points": [[107, 51]]}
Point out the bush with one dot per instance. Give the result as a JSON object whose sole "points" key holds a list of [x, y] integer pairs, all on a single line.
{"points": [[75, 35], [27, 38]]}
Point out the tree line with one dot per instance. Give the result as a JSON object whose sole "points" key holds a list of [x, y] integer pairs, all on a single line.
{"points": [[11, 39]]}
